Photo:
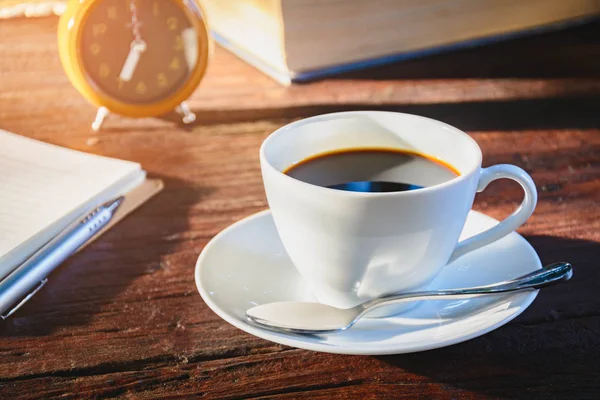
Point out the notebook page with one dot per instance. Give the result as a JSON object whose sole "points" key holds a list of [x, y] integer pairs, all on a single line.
{"points": [[42, 184]]}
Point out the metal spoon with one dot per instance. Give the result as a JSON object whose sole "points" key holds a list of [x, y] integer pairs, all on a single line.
{"points": [[316, 318]]}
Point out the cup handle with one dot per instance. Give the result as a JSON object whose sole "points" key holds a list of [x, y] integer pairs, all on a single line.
{"points": [[513, 221]]}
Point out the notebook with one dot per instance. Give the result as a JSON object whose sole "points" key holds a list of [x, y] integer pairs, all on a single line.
{"points": [[44, 188]]}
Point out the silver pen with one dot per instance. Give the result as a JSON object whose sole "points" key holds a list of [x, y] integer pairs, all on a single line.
{"points": [[25, 281]]}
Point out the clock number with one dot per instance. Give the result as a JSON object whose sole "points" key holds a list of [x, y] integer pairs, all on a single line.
{"points": [[112, 12], [95, 48], [104, 70], [172, 23], [99, 29], [140, 88], [178, 43], [155, 8], [161, 80], [174, 64]]}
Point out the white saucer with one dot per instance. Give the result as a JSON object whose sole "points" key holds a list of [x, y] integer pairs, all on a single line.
{"points": [[246, 265]]}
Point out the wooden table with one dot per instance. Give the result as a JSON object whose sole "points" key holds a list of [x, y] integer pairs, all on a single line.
{"points": [[124, 319]]}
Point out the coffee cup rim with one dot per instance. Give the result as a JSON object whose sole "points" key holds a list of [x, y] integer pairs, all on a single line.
{"points": [[463, 176]]}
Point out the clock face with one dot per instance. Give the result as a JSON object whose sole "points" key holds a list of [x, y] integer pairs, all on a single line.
{"points": [[138, 51]]}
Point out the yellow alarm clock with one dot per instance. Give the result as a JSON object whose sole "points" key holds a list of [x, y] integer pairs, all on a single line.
{"points": [[137, 58]]}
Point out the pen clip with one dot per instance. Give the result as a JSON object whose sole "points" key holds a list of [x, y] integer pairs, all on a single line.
{"points": [[25, 299]]}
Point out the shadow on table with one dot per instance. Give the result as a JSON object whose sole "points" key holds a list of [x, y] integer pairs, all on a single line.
{"points": [[549, 351], [568, 112], [550, 113], [564, 53], [94, 278]]}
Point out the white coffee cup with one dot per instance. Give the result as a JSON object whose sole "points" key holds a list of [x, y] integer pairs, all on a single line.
{"points": [[352, 246]]}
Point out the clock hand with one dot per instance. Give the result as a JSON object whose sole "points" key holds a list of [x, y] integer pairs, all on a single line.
{"points": [[135, 22], [190, 47], [131, 62], [138, 46]]}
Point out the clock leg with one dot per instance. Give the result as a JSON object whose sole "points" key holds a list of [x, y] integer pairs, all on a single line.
{"points": [[187, 115], [100, 116]]}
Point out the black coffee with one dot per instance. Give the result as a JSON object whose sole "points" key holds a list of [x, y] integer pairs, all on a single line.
{"points": [[372, 170]]}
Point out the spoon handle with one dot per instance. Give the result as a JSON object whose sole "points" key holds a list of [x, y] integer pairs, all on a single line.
{"points": [[544, 276]]}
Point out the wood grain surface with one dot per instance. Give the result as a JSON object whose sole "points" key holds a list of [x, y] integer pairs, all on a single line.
{"points": [[124, 319]]}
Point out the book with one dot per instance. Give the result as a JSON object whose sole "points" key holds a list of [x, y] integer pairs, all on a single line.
{"points": [[46, 187], [296, 40]]}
